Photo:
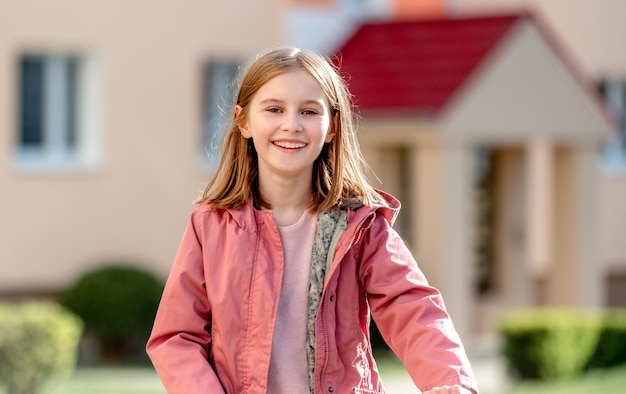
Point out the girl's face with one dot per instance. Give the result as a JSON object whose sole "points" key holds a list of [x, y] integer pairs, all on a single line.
{"points": [[289, 121]]}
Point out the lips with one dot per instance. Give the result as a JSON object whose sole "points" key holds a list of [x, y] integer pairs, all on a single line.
{"points": [[289, 145]]}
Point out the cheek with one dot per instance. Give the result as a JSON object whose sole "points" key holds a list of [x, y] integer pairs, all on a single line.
{"points": [[259, 126], [324, 126]]}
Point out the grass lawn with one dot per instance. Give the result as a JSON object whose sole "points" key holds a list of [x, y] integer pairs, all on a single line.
{"points": [[607, 381], [143, 380], [108, 380]]}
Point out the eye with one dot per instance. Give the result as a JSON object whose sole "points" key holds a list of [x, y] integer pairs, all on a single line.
{"points": [[310, 112], [273, 109]]}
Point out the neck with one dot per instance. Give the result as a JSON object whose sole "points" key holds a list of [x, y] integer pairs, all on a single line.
{"points": [[289, 198]]}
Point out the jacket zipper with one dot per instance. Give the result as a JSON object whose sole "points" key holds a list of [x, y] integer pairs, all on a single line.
{"points": [[365, 225], [341, 226]]}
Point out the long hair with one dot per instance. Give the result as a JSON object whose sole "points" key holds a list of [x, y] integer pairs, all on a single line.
{"points": [[338, 172]]}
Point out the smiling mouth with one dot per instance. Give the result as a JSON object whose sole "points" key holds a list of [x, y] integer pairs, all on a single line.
{"points": [[289, 145]]}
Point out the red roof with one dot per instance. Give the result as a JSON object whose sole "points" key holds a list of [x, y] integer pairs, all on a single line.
{"points": [[416, 66]]}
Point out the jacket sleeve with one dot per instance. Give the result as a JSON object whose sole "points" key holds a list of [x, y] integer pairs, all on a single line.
{"points": [[410, 313], [180, 340]]}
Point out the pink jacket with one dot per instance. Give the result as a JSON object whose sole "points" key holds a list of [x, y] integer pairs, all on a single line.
{"points": [[213, 330]]}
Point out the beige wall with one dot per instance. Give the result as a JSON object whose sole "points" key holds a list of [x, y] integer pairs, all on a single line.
{"points": [[135, 202]]}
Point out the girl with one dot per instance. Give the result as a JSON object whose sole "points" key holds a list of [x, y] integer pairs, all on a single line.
{"points": [[288, 252]]}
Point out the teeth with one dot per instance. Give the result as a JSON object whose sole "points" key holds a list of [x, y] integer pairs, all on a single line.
{"points": [[289, 145]]}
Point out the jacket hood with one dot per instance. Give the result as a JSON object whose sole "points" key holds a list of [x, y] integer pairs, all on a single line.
{"points": [[390, 208]]}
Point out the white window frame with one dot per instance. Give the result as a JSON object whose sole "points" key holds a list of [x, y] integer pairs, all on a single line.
{"points": [[54, 154]]}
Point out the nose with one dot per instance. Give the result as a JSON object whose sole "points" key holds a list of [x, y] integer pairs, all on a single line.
{"points": [[291, 122]]}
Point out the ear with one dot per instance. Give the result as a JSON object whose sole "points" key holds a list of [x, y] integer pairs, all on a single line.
{"points": [[332, 129], [330, 135], [243, 125]]}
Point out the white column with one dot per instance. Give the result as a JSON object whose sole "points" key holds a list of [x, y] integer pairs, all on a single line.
{"points": [[427, 213], [457, 246], [589, 273], [539, 207], [372, 156]]}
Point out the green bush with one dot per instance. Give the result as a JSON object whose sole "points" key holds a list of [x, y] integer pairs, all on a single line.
{"points": [[549, 343], [37, 341], [611, 350], [117, 304]]}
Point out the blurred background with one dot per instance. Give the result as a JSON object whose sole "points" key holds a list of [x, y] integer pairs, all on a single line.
{"points": [[500, 125]]}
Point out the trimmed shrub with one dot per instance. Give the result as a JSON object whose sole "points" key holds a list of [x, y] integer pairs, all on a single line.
{"points": [[611, 350], [37, 340], [549, 343], [118, 304]]}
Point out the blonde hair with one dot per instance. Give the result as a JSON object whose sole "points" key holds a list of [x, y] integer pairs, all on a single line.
{"points": [[338, 172]]}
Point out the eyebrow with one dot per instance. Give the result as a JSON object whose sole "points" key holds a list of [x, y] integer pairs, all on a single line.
{"points": [[278, 101]]}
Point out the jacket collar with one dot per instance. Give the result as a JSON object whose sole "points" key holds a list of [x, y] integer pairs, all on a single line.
{"points": [[250, 218]]}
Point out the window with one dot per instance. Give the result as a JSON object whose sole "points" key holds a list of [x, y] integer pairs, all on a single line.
{"points": [[484, 219], [55, 118], [220, 79], [614, 154]]}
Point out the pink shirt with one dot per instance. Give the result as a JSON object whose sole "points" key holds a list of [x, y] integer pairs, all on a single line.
{"points": [[288, 372]]}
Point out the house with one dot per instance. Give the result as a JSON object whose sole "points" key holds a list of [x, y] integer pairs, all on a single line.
{"points": [[490, 134]]}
